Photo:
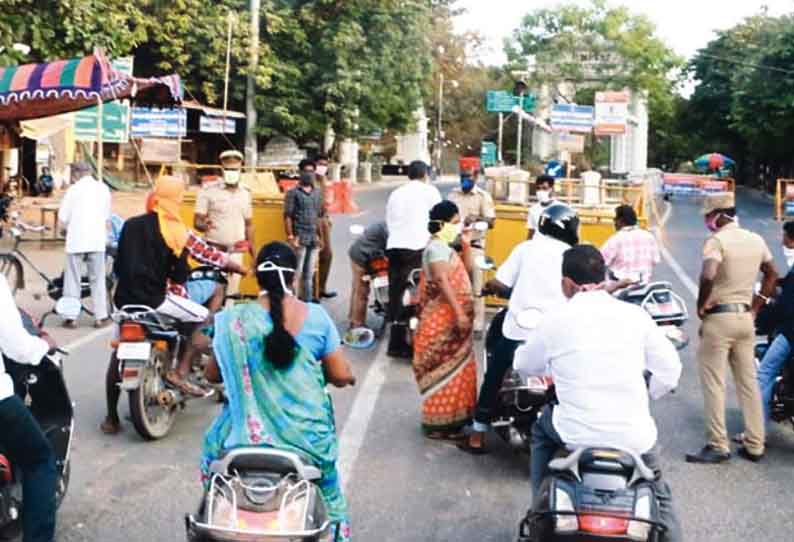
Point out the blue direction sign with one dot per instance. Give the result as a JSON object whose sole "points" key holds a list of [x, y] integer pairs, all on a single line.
{"points": [[572, 118]]}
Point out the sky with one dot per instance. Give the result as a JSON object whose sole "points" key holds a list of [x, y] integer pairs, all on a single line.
{"points": [[687, 25]]}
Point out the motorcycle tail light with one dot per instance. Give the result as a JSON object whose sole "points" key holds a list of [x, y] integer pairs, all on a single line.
{"points": [[564, 523], [5, 470], [639, 530], [132, 332], [603, 525], [379, 264]]}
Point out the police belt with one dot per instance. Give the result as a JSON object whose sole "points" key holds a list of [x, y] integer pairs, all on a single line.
{"points": [[728, 307]]}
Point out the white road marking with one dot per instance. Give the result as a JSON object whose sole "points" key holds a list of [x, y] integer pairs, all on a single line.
{"points": [[352, 436], [688, 283], [87, 338]]}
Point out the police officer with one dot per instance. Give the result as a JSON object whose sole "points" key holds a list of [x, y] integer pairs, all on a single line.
{"points": [[732, 258], [475, 205]]}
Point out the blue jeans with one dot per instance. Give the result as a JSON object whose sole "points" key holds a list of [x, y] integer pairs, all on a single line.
{"points": [[28, 448], [771, 366]]}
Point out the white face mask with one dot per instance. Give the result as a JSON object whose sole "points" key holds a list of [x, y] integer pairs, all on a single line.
{"points": [[231, 176], [788, 253], [321, 170], [544, 196]]}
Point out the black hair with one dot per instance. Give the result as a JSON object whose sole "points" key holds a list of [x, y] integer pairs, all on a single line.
{"points": [[417, 170], [306, 162], [626, 214], [321, 156], [730, 211], [308, 177], [440, 213], [545, 179], [280, 345], [584, 264], [788, 229]]}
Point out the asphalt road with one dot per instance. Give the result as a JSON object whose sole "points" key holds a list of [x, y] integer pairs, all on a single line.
{"points": [[402, 487]]}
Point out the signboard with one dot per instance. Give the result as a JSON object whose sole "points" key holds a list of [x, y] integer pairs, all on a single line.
{"points": [[160, 151], [214, 125], [501, 101], [150, 122], [488, 154], [611, 112], [115, 115], [572, 143], [572, 118]]}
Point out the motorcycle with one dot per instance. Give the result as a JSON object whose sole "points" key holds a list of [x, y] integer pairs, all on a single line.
{"points": [[595, 494], [521, 401], [44, 391], [781, 407], [666, 308], [262, 494], [378, 277]]}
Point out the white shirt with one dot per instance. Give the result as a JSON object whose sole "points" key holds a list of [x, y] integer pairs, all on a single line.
{"points": [[407, 215], [15, 342], [534, 272], [596, 349], [533, 216], [85, 211]]}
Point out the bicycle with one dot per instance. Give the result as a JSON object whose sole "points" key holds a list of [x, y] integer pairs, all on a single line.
{"points": [[13, 270]]}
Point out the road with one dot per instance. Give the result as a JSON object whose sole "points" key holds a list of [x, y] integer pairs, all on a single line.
{"points": [[402, 487]]}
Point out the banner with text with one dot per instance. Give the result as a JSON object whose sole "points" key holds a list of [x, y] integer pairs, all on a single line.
{"points": [[572, 118], [611, 113]]}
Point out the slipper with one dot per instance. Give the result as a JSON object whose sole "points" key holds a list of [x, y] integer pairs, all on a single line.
{"points": [[466, 446], [360, 338], [183, 385], [110, 427]]}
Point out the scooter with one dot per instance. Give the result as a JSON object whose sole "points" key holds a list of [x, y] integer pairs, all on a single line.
{"points": [[666, 308], [262, 494], [521, 401], [781, 407], [378, 277], [44, 391]]}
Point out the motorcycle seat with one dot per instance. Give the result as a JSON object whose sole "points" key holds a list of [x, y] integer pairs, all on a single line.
{"points": [[603, 460], [265, 459], [642, 290]]}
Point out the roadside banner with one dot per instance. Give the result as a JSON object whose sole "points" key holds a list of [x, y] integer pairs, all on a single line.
{"points": [[152, 122], [572, 118], [611, 112], [211, 124], [693, 185], [115, 115], [572, 143]]}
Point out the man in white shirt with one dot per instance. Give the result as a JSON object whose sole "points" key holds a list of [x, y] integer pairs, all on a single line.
{"points": [[85, 213], [544, 192], [407, 215], [598, 349], [533, 272], [21, 437]]}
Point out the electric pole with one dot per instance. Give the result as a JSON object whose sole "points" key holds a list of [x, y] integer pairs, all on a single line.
{"points": [[250, 94]]}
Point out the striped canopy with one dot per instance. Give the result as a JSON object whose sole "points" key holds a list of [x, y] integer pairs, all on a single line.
{"points": [[33, 91]]}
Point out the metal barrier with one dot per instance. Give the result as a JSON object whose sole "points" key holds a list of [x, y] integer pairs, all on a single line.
{"points": [[784, 198]]}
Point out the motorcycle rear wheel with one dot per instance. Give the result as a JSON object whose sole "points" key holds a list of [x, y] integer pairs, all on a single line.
{"points": [[152, 421]]}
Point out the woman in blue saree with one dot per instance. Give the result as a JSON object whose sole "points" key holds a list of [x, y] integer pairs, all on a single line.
{"points": [[275, 358]]}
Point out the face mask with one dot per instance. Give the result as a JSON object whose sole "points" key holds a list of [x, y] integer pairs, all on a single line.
{"points": [[711, 223], [449, 232], [788, 253], [231, 176], [544, 196], [321, 170], [306, 182], [269, 267], [467, 184]]}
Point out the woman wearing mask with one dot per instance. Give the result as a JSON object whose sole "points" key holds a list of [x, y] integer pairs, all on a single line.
{"points": [[275, 357], [444, 362]]}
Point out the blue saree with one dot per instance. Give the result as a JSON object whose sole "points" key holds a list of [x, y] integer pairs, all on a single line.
{"points": [[287, 408]]}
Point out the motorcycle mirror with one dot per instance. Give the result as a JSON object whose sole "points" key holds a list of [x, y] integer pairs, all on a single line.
{"points": [[485, 263], [356, 230], [68, 308], [481, 226], [529, 318]]}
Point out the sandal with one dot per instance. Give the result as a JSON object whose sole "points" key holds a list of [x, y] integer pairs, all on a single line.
{"points": [[183, 385], [467, 447], [110, 427]]}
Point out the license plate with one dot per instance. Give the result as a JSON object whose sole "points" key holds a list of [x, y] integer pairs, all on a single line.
{"points": [[140, 350], [381, 282]]}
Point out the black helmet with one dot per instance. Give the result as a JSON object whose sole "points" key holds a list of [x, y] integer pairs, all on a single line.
{"points": [[560, 222]]}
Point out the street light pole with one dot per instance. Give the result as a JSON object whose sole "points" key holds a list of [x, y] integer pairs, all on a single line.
{"points": [[250, 95], [439, 151], [520, 131]]}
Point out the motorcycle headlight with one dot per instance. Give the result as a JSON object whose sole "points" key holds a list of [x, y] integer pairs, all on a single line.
{"points": [[639, 530], [565, 523]]}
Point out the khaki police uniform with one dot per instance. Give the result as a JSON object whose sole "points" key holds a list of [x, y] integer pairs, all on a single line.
{"points": [[727, 334], [477, 203]]}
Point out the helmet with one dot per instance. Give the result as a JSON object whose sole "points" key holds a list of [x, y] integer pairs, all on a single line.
{"points": [[560, 222]]}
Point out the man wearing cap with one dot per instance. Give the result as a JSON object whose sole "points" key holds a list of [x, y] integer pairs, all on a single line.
{"points": [[224, 212], [85, 212], [475, 205], [732, 259]]}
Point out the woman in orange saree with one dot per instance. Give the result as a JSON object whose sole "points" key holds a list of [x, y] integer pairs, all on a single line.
{"points": [[444, 363]]}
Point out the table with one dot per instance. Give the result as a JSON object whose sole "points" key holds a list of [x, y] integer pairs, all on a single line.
{"points": [[50, 208]]}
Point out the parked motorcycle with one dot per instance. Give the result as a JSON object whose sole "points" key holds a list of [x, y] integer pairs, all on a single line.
{"points": [[666, 308], [781, 407], [595, 494], [378, 277], [262, 494], [44, 391]]}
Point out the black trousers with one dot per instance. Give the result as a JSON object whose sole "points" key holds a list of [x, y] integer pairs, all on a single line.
{"points": [[499, 351], [401, 263], [28, 448]]}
